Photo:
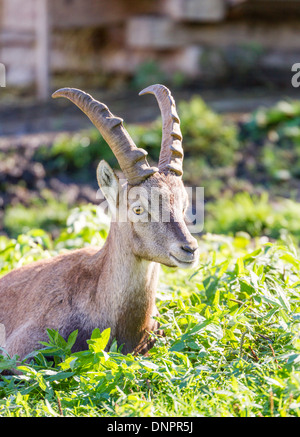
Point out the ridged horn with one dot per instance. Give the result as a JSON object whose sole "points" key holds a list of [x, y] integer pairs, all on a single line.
{"points": [[132, 160], [171, 154]]}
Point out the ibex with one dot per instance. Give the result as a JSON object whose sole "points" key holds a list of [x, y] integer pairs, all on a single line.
{"points": [[113, 287]]}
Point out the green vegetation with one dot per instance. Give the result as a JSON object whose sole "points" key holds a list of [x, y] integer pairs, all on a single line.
{"points": [[277, 130], [256, 215], [74, 153], [231, 345], [148, 72], [85, 225], [207, 137], [236, 165], [206, 134], [44, 212]]}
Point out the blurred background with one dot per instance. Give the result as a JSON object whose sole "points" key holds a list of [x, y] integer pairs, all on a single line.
{"points": [[228, 64]]}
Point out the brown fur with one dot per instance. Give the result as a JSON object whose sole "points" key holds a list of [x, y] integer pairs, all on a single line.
{"points": [[89, 288]]}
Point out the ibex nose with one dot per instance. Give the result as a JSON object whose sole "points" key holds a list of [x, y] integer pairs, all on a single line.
{"points": [[190, 248]]}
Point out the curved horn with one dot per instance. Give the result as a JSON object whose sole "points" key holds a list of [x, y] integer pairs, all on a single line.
{"points": [[132, 160], [171, 154]]}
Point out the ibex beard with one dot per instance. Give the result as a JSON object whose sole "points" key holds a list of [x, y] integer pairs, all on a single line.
{"points": [[113, 287]]}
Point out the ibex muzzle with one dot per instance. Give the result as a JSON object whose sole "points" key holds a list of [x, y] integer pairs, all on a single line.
{"points": [[113, 287]]}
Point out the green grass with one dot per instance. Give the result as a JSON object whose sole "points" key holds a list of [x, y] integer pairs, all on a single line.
{"points": [[256, 215], [45, 213], [231, 346]]}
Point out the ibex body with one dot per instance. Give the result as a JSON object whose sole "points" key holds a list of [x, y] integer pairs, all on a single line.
{"points": [[113, 287]]}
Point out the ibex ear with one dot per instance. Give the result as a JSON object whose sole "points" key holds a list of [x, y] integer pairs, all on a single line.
{"points": [[109, 184]]}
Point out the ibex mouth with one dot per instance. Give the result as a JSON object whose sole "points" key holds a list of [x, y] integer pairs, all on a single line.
{"points": [[183, 263]]}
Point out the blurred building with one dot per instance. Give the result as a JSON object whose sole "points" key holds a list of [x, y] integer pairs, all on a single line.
{"points": [[92, 39]]}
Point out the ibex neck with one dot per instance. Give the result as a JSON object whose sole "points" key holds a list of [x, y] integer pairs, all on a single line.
{"points": [[128, 288]]}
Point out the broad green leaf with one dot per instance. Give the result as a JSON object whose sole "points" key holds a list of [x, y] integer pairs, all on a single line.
{"points": [[99, 340]]}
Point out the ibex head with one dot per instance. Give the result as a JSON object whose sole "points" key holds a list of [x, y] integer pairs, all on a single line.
{"points": [[154, 199]]}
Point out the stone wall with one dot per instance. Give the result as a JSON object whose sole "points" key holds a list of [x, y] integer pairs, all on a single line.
{"points": [[205, 39]]}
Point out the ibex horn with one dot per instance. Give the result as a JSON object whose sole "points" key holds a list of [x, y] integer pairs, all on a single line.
{"points": [[171, 154], [132, 160]]}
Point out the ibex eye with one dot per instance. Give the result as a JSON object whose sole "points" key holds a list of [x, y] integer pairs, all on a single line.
{"points": [[138, 210]]}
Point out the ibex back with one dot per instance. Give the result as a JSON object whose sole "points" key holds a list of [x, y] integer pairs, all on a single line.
{"points": [[113, 287]]}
